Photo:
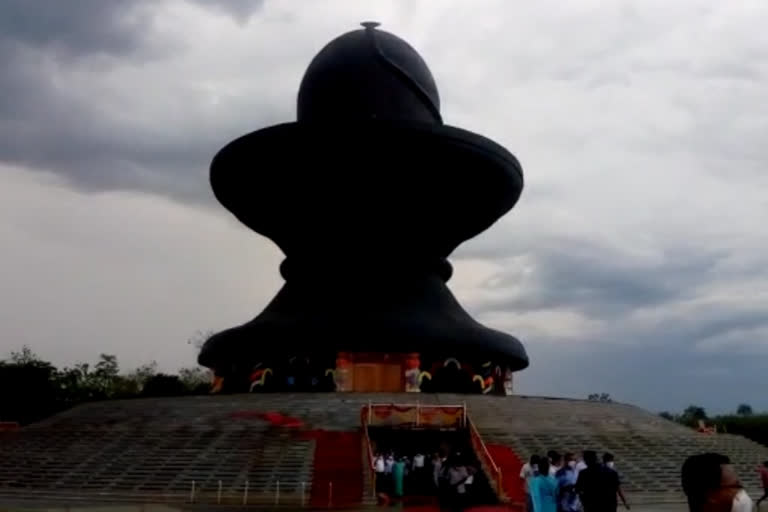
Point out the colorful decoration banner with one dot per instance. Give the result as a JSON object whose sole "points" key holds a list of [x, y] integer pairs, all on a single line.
{"points": [[392, 415]]}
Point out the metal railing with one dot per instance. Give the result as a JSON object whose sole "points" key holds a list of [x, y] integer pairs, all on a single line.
{"points": [[421, 419], [371, 462], [492, 469], [240, 495]]}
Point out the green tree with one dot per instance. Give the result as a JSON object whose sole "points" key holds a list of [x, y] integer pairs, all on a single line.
{"points": [[164, 385], [35, 388], [667, 415], [692, 415], [134, 382], [197, 379], [29, 387], [744, 410], [26, 357], [106, 376], [70, 383]]}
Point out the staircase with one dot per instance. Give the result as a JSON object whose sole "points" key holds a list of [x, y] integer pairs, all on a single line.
{"points": [[151, 450], [155, 454], [337, 478], [649, 450], [510, 464]]}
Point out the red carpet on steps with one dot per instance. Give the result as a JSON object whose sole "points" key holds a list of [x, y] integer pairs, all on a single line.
{"points": [[338, 460], [509, 464]]}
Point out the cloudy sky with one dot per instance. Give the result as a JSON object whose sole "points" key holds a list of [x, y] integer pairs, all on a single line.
{"points": [[636, 262]]}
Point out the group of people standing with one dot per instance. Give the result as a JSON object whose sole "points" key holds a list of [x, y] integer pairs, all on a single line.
{"points": [[558, 483], [565, 483], [448, 477]]}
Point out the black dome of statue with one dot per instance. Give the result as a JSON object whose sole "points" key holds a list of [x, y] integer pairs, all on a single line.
{"points": [[367, 193]]}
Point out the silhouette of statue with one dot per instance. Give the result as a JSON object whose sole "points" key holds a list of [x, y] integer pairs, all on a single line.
{"points": [[367, 193]]}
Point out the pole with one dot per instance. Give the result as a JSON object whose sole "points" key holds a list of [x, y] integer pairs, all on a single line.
{"points": [[370, 411], [245, 493], [418, 413], [303, 493], [218, 494], [330, 494], [277, 493], [464, 414], [192, 493]]}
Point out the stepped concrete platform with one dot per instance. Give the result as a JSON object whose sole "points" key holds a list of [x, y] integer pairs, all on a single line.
{"points": [[151, 450], [649, 450]]}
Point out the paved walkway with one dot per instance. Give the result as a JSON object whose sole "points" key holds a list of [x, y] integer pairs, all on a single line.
{"points": [[659, 508]]}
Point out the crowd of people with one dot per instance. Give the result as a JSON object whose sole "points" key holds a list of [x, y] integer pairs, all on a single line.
{"points": [[449, 477], [556, 483], [559, 482], [567, 483]]}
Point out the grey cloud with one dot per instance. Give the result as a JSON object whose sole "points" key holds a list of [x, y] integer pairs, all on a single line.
{"points": [[590, 110], [596, 280], [242, 10], [706, 322], [75, 27], [657, 379], [60, 129], [652, 319]]}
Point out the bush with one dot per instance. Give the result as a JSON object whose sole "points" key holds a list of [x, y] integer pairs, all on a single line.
{"points": [[754, 427], [33, 389], [164, 385]]}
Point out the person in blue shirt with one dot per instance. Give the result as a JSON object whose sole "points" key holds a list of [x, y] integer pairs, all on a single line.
{"points": [[544, 489], [568, 498]]}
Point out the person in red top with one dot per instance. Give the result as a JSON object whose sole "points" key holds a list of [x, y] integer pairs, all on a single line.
{"points": [[764, 480]]}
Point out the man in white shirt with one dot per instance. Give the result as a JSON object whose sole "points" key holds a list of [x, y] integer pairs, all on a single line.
{"points": [[530, 468], [555, 462], [378, 467], [527, 472], [389, 462], [420, 476]]}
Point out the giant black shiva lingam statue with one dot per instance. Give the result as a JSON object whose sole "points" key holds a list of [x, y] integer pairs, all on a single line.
{"points": [[367, 194]]}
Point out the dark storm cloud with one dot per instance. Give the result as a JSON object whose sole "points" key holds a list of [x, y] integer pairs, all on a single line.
{"points": [[610, 287], [596, 280], [705, 323], [679, 314], [74, 27], [668, 378], [44, 126], [83, 27], [116, 95]]}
